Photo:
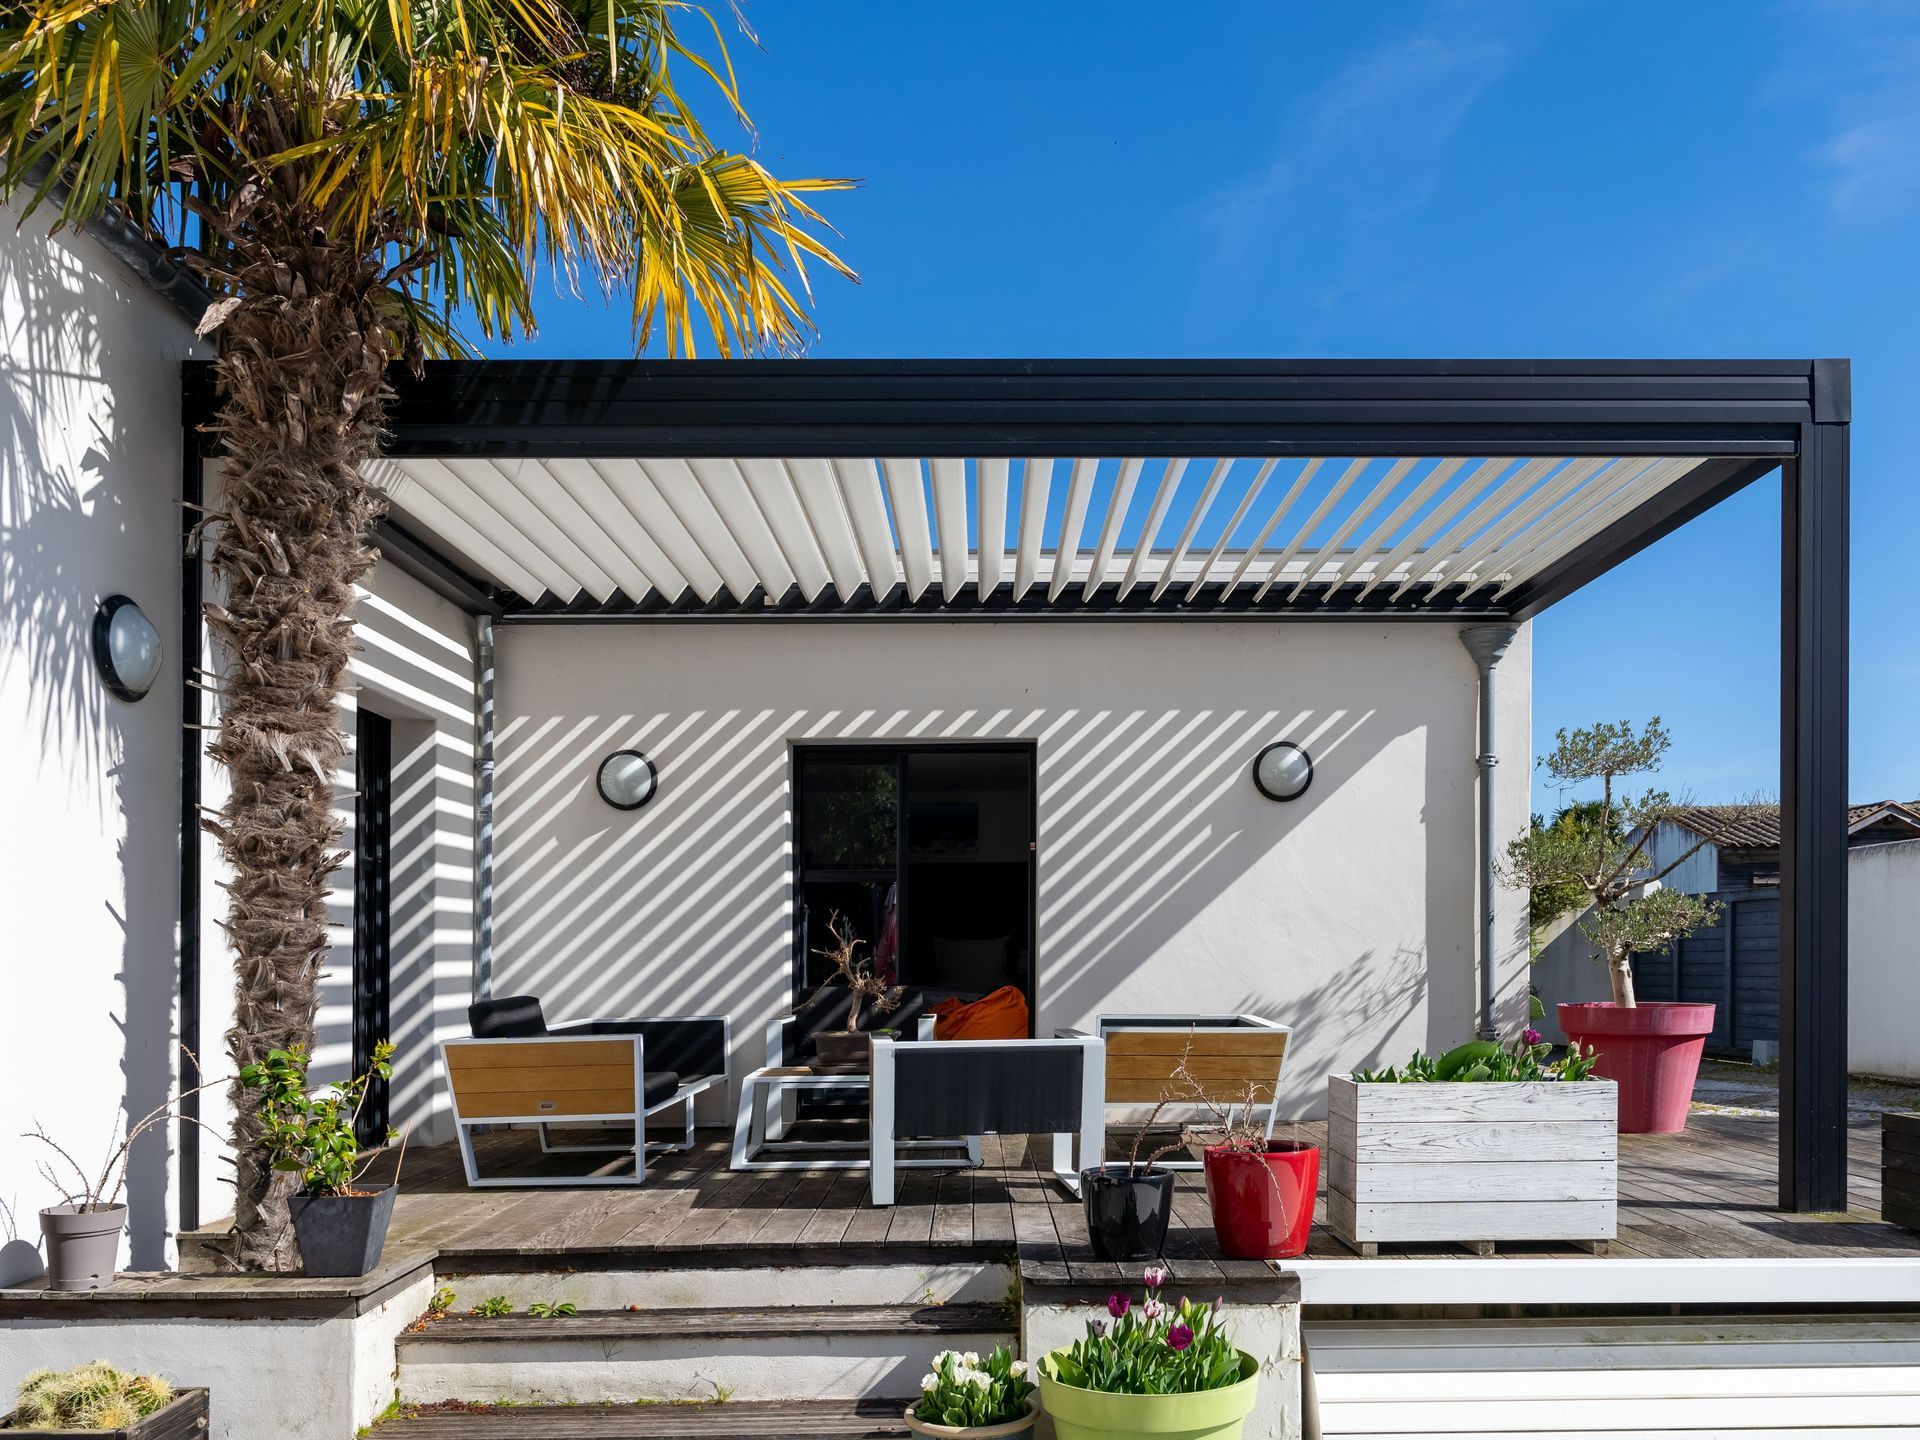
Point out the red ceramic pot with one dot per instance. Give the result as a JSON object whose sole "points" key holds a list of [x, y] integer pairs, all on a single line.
{"points": [[1651, 1051], [1262, 1201]]}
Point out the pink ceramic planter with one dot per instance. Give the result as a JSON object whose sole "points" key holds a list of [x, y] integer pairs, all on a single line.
{"points": [[1651, 1051]]}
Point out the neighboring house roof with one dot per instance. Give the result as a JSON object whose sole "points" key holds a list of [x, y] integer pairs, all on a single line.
{"points": [[1739, 827]]}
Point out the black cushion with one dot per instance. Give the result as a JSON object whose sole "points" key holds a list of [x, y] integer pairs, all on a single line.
{"points": [[506, 1017], [695, 1047], [659, 1084]]}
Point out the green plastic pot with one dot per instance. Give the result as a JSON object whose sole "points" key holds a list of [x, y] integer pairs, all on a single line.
{"points": [[1204, 1415]]}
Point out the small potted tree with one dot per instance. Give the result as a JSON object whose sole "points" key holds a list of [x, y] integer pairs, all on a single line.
{"points": [[1260, 1190], [871, 998], [82, 1233], [1155, 1369], [1129, 1202], [98, 1399], [340, 1226], [1596, 857]]}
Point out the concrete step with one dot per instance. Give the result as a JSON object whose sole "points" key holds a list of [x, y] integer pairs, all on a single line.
{"points": [[745, 1287], [818, 1420], [836, 1352]]}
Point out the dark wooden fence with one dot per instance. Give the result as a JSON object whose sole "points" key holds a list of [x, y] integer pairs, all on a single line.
{"points": [[1735, 964]]}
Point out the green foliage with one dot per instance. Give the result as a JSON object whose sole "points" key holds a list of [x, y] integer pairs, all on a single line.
{"points": [[464, 147], [964, 1390], [442, 1301], [88, 1397], [312, 1135], [1575, 829], [542, 1310], [1486, 1060], [494, 1307], [1151, 1349]]}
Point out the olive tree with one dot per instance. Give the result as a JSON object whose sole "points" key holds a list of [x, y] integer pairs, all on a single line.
{"points": [[1595, 854]]}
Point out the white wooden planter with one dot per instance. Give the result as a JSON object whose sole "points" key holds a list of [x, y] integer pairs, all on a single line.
{"points": [[1471, 1163]]}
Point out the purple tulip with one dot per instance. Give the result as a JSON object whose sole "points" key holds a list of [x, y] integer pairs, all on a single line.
{"points": [[1180, 1337], [1118, 1304], [1531, 1036]]}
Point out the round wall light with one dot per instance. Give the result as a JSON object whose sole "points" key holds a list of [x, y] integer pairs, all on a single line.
{"points": [[627, 780], [1283, 771], [126, 647]]}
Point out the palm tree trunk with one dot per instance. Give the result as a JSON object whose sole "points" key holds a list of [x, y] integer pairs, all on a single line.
{"points": [[301, 372]]}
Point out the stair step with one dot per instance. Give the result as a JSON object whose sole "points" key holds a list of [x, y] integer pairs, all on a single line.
{"points": [[818, 1420], [796, 1353]]}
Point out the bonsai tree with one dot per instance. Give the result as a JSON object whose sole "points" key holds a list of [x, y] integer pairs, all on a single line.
{"points": [[1594, 855], [872, 996], [352, 182]]}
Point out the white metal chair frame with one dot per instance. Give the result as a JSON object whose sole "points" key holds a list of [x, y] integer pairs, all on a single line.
{"points": [[1073, 1151], [639, 1146], [779, 1099], [1183, 1024]]}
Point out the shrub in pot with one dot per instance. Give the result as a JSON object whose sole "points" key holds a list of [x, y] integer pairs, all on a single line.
{"points": [[1155, 1369], [341, 1227], [82, 1233], [964, 1395], [99, 1398], [1594, 857], [872, 998]]}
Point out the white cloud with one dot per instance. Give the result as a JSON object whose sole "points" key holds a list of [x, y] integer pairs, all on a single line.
{"points": [[1855, 60]]}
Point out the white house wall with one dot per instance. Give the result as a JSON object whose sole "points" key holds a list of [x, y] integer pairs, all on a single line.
{"points": [[1883, 959], [89, 500], [1165, 879]]}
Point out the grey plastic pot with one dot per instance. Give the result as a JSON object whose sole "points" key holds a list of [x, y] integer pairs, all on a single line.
{"points": [[83, 1246], [341, 1235]]}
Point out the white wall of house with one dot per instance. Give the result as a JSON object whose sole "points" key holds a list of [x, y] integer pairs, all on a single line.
{"points": [[1883, 959], [89, 506], [1165, 878]]}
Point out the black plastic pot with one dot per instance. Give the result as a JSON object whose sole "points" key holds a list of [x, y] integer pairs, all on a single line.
{"points": [[341, 1235], [1127, 1215]]}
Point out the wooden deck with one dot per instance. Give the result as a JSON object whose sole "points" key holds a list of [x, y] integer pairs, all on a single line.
{"points": [[1706, 1194]]}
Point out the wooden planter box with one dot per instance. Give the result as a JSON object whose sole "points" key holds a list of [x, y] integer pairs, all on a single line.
{"points": [[1900, 1169], [1471, 1164], [184, 1419]]}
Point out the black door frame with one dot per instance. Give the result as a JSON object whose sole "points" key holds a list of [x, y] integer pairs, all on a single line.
{"points": [[372, 911], [897, 753]]}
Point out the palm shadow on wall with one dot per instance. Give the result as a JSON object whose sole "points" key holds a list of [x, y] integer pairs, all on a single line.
{"points": [[53, 516]]}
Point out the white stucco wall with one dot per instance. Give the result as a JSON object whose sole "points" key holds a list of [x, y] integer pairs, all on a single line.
{"points": [[89, 506], [1165, 879], [1883, 959]]}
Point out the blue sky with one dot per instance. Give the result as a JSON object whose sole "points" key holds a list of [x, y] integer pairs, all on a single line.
{"points": [[1458, 177]]}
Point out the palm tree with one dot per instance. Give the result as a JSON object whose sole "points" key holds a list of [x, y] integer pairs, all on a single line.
{"points": [[351, 178]]}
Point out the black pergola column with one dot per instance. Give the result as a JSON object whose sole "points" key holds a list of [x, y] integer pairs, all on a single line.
{"points": [[1813, 805]]}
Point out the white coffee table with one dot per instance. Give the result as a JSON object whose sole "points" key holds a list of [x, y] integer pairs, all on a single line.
{"points": [[761, 1090]]}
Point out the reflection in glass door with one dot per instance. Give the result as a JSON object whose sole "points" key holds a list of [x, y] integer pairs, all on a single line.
{"points": [[926, 853]]}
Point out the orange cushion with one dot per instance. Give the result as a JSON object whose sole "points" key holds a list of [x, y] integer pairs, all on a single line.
{"points": [[1001, 1015]]}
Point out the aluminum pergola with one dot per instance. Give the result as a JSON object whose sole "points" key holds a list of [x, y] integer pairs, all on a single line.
{"points": [[1052, 491]]}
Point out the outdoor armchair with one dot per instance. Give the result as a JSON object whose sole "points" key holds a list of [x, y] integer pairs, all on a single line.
{"points": [[1231, 1056], [602, 1072], [986, 1087]]}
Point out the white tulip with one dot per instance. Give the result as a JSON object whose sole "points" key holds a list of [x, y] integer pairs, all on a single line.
{"points": [[929, 1382]]}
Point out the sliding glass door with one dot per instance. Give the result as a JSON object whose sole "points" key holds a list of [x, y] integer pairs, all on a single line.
{"points": [[926, 852]]}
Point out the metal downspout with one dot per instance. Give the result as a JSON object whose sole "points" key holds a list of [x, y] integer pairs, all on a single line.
{"points": [[1487, 643], [483, 814]]}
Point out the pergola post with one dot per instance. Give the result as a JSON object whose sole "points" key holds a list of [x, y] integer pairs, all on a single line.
{"points": [[1813, 805]]}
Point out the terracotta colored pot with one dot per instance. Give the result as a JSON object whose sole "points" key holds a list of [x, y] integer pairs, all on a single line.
{"points": [[1262, 1202], [1651, 1051]]}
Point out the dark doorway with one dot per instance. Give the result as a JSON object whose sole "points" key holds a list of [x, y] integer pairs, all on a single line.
{"points": [[372, 957], [928, 853]]}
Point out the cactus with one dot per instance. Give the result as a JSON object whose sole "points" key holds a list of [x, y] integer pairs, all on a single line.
{"points": [[89, 1397]]}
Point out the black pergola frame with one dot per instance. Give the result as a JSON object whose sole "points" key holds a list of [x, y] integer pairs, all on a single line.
{"points": [[1748, 418]]}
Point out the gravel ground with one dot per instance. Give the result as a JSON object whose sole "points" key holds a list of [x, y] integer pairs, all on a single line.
{"points": [[1726, 1087]]}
